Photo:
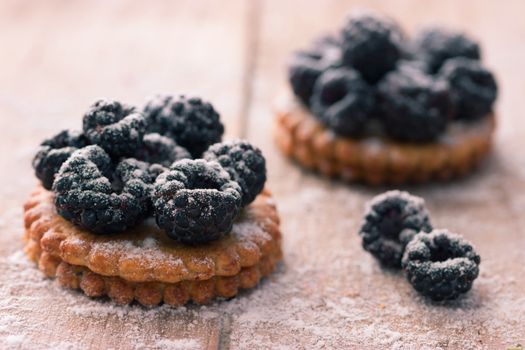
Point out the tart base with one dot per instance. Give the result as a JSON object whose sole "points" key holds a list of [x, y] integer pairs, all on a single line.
{"points": [[81, 260], [376, 160]]}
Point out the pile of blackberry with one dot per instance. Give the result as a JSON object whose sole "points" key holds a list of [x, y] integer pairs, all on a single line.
{"points": [[165, 160], [397, 232], [370, 74]]}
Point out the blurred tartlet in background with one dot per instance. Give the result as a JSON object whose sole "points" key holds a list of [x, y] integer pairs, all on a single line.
{"points": [[371, 104]]}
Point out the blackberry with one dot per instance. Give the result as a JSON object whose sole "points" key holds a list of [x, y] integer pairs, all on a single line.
{"points": [[158, 149], [245, 164], [55, 151], [391, 220], [436, 45], [372, 45], [307, 65], [416, 107], [93, 195], [195, 201], [342, 101], [473, 88], [190, 122], [117, 128], [441, 265]]}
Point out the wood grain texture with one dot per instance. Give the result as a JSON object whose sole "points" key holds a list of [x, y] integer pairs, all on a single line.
{"points": [[60, 55], [320, 218]]}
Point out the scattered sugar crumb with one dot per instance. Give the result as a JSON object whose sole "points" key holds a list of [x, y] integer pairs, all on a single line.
{"points": [[327, 294], [179, 344], [149, 243], [14, 340]]}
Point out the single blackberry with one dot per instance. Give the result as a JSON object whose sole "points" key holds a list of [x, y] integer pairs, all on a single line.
{"points": [[415, 106], [195, 201], [89, 193], [190, 122], [158, 149], [473, 88], [436, 45], [392, 219], [55, 151], [372, 45], [117, 128], [441, 265], [307, 65], [245, 164], [342, 101]]}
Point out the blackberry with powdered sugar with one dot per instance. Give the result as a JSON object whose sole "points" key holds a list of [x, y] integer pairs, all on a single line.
{"points": [[196, 201], [372, 45], [306, 66], [441, 265], [414, 106], [343, 101], [245, 164], [53, 152], [473, 88], [437, 45], [190, 121], [115, 127], [391, 220], [93, 195]]}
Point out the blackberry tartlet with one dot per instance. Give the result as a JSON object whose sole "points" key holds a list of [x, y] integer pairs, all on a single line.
{"points": [[128, 209], [372, 105]]}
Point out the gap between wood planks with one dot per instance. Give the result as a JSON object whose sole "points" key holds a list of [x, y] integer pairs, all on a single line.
{"points": [[252, 36]]}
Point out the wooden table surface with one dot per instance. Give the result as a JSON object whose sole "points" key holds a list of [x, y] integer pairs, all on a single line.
{"points": [[59, 56]]}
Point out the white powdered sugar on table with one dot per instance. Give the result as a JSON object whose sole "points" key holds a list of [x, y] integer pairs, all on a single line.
{"points": [[329, 293], [245, 229], [179, 344]]}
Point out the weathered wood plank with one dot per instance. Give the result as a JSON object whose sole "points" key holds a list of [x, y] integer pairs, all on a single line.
{"points": [[59, 57], [332, 294]]}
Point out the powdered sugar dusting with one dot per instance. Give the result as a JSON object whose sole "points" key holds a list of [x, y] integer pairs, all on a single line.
{"points": [[245, 229], [147, 250], [180, 344], [328, 294], [149, 243]]}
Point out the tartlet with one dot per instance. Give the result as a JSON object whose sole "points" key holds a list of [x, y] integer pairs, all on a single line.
{"points": [[370, 105], [150, 206], [377, 160]]}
